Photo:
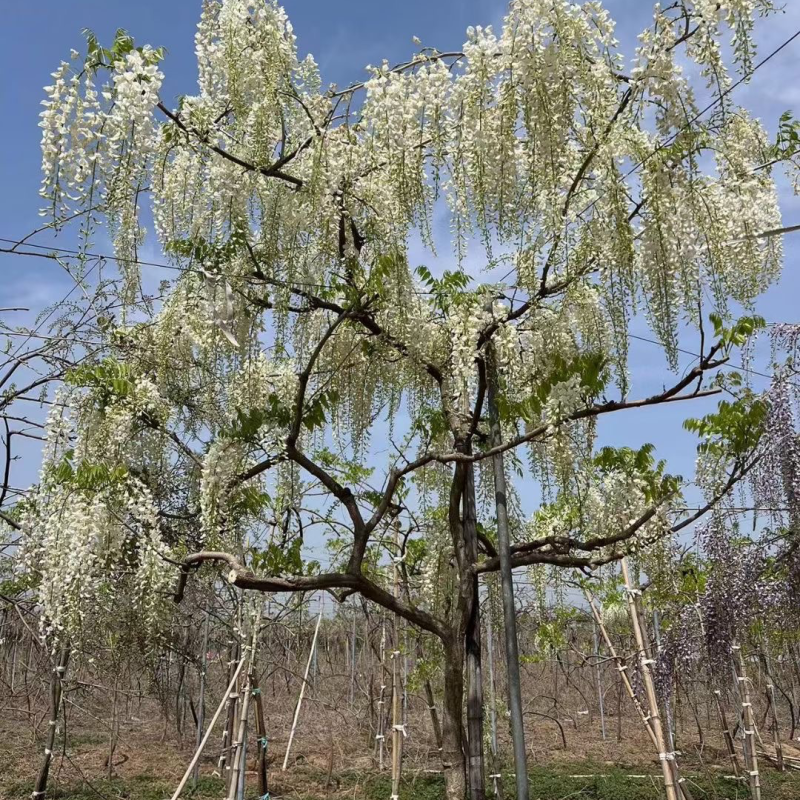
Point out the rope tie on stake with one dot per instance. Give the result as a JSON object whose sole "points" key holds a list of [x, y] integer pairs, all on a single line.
{"points": [[401, 728], [633, 591], [379, 736], [648, 661]]}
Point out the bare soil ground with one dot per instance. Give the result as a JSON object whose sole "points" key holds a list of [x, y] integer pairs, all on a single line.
{"points": [[333, 757]]}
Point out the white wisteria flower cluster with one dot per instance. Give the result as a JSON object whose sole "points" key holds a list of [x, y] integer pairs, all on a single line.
{"points": [[294, 320]]}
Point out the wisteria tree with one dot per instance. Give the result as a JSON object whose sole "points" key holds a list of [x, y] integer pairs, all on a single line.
{"points": [[303, 374]]}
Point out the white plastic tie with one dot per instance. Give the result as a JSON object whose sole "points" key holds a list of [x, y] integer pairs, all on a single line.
{"points": [[379, 736], [496, 775], [647, 661], [753, 773], [401, 728]]}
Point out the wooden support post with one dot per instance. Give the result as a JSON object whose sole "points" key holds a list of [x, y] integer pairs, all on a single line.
{"points": [[302, 693]]}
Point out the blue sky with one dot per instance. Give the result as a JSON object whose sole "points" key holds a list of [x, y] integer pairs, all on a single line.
{"points": [[343, 37]]}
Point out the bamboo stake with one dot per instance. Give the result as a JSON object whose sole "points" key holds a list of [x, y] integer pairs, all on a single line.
{"points": [[239, 744], [56, 692], [201, 703], [353, 662], [431, 701], [507, 585], [776, 736], [665, 756], [599, 682], [198, 752], [749, 730], [261, 733], [302, 693], [726, 732], [380, 737], [667, 704], [776, 730], [223, 765], [622, 669], [496, 775], [398, 728]]}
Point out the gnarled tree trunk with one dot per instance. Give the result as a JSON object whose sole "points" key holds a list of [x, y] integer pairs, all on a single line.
{"points": [[453, 763]]}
